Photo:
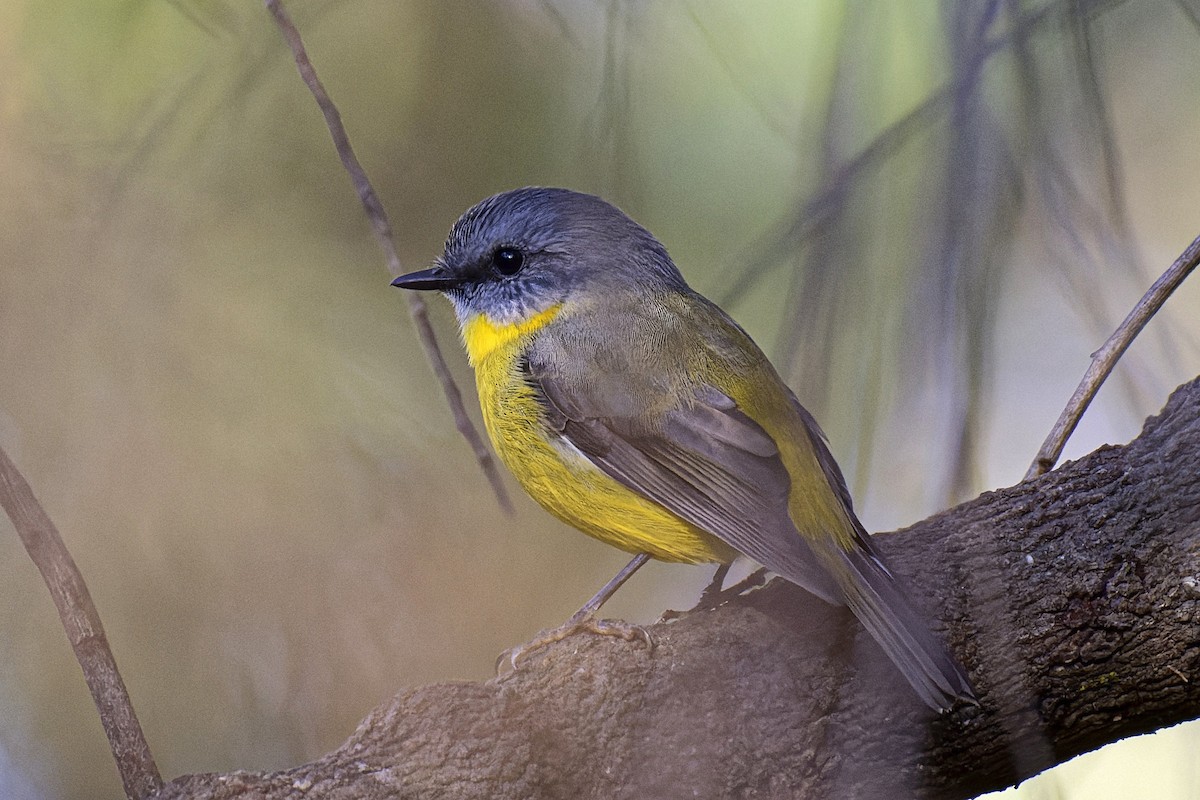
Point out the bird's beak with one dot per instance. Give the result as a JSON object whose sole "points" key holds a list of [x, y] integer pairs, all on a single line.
{"points": [[427, 280]]}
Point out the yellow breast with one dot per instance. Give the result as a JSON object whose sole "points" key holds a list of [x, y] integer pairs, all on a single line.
{"points": [[558, 477], [481, 336]]}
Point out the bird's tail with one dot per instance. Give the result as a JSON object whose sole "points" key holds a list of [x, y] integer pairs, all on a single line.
{"points": [[879, 602]]}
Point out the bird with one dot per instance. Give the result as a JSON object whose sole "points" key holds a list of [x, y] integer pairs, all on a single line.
{"points": [[634, 409]]}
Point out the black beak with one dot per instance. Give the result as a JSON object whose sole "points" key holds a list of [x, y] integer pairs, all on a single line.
{"points": [[427, 279]]}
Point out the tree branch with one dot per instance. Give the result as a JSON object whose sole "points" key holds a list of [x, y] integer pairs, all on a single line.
{"points": [[46, 549], [383, 235], [1071, 599], [1104, 359]]}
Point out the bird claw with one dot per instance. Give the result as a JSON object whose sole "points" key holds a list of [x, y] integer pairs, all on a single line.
{"points": [[601, 627]]}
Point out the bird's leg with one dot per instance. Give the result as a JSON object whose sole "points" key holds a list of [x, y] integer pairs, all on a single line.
{"points": [[714, 587], [582, 620], [751, 581], [705, 602], [714, 596]]}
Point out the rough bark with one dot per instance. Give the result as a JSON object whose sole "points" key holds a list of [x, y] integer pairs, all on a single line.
{"points": [[1073, 601]]}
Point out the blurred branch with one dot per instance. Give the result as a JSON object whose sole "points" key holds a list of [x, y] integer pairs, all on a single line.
{"points": [[383, 234], [832, 195], [829, 200], [609, 127], [1192, 16], [138, 771], [981, 157], [1076, 632], [1104, 359]]}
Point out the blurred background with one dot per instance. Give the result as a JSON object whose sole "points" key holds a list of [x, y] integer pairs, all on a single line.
{"points": [[928, 213]]}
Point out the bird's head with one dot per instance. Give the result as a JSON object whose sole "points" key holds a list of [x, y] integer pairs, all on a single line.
{"points": [[519, 253]]}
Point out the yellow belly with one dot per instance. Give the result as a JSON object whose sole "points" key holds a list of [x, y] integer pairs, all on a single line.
{"points": [[557, 476]]}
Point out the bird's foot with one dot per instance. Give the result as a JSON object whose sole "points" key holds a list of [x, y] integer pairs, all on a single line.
{"points": [[601, 627], [713, 596]]}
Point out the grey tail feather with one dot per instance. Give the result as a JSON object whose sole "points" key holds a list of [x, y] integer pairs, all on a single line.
{"points": [[879, 603]]}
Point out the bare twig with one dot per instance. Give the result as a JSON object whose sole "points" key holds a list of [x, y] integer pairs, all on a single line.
{"points": [[383, 234], [139, 774], [1104, 359]]}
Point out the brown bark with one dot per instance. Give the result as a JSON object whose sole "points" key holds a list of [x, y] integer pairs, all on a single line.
{"points": [[1071, 599]]}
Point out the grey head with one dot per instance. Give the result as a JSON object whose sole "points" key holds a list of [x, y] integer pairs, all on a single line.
{"points": [[521, 252]]}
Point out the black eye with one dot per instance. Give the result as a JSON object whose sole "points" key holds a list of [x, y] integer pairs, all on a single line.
{"points": [[507, 260]]}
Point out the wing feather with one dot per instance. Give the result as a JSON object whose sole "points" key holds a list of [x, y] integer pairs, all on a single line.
{"points": [[709, 464], [715, 467]]}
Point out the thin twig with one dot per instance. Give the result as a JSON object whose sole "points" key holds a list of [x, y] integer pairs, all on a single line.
{"points": [[139, 774], [383, 234], [1104, 359]]}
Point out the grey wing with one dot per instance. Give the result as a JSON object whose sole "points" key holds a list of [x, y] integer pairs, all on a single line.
{"points": [[712, 465], [705, 461]]}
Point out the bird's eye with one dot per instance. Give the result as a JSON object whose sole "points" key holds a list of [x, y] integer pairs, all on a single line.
{"points": [[507, 260]]}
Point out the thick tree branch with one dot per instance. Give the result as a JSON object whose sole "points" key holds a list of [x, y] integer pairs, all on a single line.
{"points": [[1072, 599]]}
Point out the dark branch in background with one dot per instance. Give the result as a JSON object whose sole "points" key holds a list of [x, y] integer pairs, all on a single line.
{"points": [[1080, 19], [383, 234], [610, 132], [970, 242], [1101, 211], [1106, 357], [985, 164], [1192, 16], [830, 243], [716, 41], [816, 211], [827, 202], [138, 771]]}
